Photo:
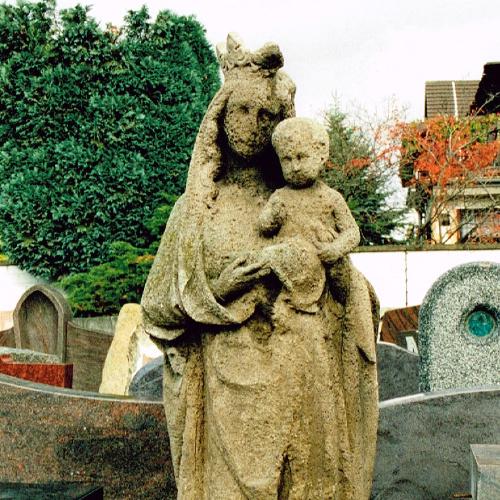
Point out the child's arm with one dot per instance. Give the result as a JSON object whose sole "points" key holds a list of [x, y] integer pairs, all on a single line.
{"points": [[348, 232], [272, 216]]}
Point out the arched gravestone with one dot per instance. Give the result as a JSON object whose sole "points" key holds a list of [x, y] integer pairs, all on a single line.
{"points": [[459, 329], [40, 321]]}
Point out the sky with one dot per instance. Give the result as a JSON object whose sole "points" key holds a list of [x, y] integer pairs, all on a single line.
{"points": [[362, 54]]}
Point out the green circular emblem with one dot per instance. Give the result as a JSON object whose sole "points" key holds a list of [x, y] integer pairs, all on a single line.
{"points": [[480, 323]]}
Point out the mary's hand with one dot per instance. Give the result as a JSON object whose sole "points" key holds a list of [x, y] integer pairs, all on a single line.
{"points": [[329, 253], [238, 276]]}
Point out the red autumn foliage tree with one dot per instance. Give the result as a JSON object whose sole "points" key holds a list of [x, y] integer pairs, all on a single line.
{"points": [[450, 167]]}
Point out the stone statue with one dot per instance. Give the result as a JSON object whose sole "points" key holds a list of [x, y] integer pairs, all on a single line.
{"points": [[308, 209], [270, 384]]}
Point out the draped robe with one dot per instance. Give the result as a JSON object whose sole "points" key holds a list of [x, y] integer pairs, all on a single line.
{"points": [[269, 401]]}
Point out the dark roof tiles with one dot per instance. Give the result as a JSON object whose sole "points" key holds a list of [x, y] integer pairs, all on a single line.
{"points": [[449, 97]]}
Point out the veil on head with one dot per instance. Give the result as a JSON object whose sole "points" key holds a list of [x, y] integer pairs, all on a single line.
{"points": [[237, 63]]}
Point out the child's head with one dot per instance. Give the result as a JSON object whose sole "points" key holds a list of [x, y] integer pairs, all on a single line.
{"points": [[302, 146]]}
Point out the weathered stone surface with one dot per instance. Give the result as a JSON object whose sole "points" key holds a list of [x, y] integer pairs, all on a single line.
{"points": [[117, 370], [397, 375], [307, 208], [423, 442], [105, 324], [8, 338], [61, 435], [270, 387], [144, 351], [397, 371], [485, 471], [130, 349], [40, 321], [147, 383], [459, 329], [6, 320], [27, 356]]}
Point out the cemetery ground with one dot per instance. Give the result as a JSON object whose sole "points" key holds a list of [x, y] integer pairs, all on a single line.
{"points": [[438, 429]]}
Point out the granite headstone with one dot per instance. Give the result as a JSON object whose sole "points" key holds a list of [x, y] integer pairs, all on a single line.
{"points": [[459, 325], [397, 370], [147, 383], [485, 471], [50, 491], [54, 435], [40, 321], [423, 445]]}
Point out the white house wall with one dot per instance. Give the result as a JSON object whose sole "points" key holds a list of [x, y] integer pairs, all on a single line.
{"points": [[403, 278], [400, 278]]}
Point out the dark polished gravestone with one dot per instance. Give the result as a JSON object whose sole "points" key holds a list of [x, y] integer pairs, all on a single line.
{"points": [[40, 321], [397, 370], [459, 329], [147, 383], [423, 444], [50, 491]]}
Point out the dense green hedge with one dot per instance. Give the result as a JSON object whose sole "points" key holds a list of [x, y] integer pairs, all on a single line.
{"points": [[105, 288], [94, 126]]}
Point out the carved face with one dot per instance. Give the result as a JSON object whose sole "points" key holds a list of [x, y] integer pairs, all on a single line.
{"points": [[301, 159], [252, 113]]}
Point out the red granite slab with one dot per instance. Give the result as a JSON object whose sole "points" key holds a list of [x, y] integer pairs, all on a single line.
{"points": [[59, 375], [50, 434]]}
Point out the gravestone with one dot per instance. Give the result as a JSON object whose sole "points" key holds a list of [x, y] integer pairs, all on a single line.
{"points": [[46, 491], [397, 370], [118, 366], [58, 374], [485, 471], [27, 356], [399, 326], [130, 350], [40, 321], [423, 444], [54, 435], [87, 345], [459, 325], [147, 383]]}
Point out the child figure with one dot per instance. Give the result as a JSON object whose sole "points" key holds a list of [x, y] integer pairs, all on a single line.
{"points": [[306, 208]]}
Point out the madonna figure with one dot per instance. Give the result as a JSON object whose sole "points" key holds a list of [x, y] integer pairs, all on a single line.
{"points": [[266, 397]]}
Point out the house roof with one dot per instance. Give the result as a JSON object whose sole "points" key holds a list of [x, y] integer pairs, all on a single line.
{"points": [[449, 97], [487, 98]]}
